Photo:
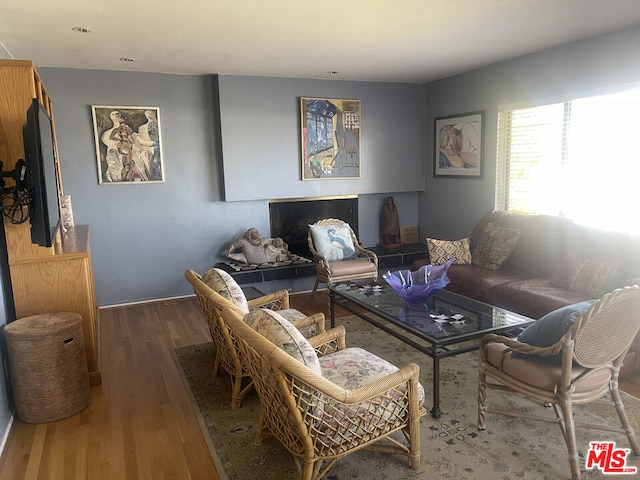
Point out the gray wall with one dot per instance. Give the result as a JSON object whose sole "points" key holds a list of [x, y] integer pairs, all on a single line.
{"points": [[143, 237], [260, 120], [450, 207]]}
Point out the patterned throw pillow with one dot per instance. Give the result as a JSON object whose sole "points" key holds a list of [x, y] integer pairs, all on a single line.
{"points": [[333, 242], [281, 333], [226, 286], [495, 246], [582, 275], [442, 250]]}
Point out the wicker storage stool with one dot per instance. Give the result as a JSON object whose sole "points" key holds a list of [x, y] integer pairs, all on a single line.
{"points": [[48, 366]]}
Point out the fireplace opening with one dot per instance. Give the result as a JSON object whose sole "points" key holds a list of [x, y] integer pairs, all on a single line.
{"points": [[290, 219]]}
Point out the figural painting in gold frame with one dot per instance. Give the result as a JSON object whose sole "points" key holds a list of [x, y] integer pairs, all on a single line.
{"points": [[330, 138]]}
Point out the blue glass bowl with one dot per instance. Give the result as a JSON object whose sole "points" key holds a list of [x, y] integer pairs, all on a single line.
{"points": [[416, 287]]}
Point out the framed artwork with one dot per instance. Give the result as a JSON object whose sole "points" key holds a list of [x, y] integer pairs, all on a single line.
{"points": [[330, 138], [458, 145], [128, 146]]}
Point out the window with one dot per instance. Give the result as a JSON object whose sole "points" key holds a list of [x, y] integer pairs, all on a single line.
{"points": [[577, 158]]}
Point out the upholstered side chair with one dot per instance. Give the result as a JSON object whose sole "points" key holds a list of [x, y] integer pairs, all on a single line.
{"points": [[582, 367], [215, 290], [338, 255], [324, 407]]}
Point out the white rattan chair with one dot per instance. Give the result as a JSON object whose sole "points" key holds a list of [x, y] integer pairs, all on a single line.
{"points": [[592, 352], [212, 302], [362, 265]]}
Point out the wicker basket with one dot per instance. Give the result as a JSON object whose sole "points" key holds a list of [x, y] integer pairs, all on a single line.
{"points": [[48, 366]]}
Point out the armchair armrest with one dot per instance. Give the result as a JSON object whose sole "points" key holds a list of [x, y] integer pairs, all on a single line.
{"points": [[274, 301], [520, 347], [316, 319], [330, 341]]}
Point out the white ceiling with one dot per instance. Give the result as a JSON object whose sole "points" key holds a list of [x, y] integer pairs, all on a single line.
{"points": [[412, 41]]}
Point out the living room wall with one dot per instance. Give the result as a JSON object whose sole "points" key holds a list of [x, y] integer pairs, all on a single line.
{"points": [[450, 207], [143, 237]]}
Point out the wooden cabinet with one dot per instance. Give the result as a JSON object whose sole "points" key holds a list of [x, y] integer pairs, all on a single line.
{"points": [[57, 278]]}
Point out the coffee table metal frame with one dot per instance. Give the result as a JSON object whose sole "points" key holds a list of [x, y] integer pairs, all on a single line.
{"points": [[385, 309]]}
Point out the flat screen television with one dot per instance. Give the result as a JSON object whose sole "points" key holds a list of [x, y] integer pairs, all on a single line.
{"points": [[41, 175]]}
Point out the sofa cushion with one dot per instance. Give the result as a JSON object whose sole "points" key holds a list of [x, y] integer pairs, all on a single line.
{"points": [[532, 297], [224, 284], [473, 281], [583, 275], [281, 333], [333, 242], [550, 328], [494, 246], [442, 250]]}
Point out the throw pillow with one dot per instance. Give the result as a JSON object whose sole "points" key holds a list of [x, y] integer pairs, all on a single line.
{"points": [[442, 250], [550, 328], [333, 242], [494, 246], [272, 326], [583, 275], [224, 284]]}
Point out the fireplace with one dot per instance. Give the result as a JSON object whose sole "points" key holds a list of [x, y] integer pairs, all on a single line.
{"points": [[289, 219]]}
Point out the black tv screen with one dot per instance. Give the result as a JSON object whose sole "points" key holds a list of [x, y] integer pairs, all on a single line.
{"points": [[41, 175]]}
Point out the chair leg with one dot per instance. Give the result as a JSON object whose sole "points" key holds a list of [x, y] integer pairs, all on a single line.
{"points": [[216, 365], [569, 431], [482, 392], [622, 415], [236, 395]]}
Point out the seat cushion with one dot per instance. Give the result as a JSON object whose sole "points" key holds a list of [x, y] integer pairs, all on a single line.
{"points": [[226, 286], [351, 267], [291, 315], [355, 367], [539, 374], [281, 333]]}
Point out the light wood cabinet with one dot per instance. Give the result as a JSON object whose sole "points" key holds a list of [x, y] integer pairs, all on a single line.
{"points": [[57, 278]]}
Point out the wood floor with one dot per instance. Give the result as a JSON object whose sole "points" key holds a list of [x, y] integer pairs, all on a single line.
{"points": [[140, 424]]}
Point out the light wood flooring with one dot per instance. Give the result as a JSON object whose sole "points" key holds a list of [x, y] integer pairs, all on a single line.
{"points": [[140, 423]]}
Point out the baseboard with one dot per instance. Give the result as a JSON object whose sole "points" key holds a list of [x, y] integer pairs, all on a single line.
{"points": [[142, 302], [5, 437]]}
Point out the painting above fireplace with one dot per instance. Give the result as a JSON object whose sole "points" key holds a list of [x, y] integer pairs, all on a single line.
{"points": [[290, 218]]}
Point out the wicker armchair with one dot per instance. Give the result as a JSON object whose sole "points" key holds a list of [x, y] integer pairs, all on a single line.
{"points": [[229, 295], [359, 263], [591, 352], [320, 412]]}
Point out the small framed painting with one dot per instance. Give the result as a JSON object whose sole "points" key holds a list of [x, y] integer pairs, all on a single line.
{"points": [[330, 138], [128, 148], [458, 145]]}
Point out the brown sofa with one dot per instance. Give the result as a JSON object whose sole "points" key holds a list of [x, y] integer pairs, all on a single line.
{"points": [[523, 284]]}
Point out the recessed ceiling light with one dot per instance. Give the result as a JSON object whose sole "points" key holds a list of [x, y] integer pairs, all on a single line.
{"points": [[332, 72], [81, 29], [125, 59]]}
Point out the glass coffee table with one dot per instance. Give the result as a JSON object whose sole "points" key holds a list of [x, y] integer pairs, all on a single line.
{"points": [[446, 324]]}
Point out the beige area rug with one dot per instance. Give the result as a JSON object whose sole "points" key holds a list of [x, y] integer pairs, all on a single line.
{"points": [[452, 447]]}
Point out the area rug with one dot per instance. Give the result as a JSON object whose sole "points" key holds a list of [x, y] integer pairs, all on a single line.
{"points": [[452, 447]]}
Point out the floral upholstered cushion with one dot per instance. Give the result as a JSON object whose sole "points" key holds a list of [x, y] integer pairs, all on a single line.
{"points": [[333, 242], [226, 286], [281, 333], [291, 315], [442, 250], [355, 367], [494, 246]]}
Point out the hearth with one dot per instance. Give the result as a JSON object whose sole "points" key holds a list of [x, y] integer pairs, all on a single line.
{"points": [[290, 219]]}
